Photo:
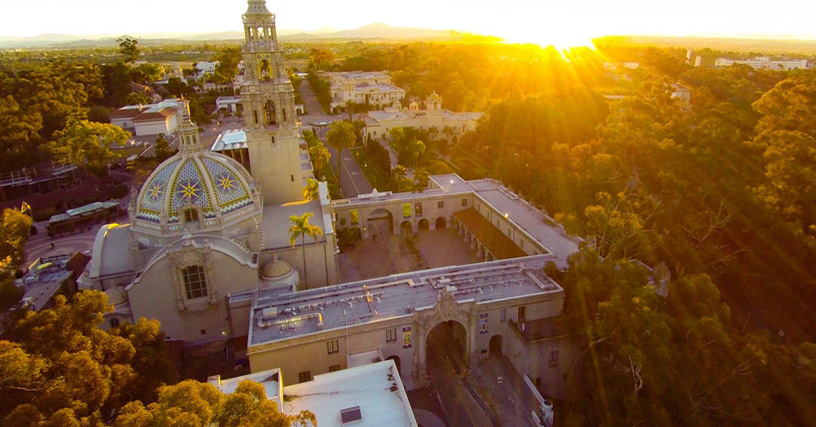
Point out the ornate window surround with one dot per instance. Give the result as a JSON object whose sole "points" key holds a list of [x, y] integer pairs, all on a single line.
{"points": [[192, 254]]}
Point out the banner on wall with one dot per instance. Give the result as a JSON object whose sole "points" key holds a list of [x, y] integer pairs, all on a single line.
{"points": [[406, 337], [483, 323]]}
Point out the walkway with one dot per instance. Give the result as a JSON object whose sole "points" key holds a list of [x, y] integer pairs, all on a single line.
{"points": [[460, 406]]}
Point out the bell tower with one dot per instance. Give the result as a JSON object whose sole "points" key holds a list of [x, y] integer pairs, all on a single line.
{"points": [[268, 100]]}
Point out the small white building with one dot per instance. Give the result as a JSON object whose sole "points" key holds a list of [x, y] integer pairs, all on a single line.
{"points": [[368, 395], [204, 68], [231, 103], [764, 63], [150, 119]]}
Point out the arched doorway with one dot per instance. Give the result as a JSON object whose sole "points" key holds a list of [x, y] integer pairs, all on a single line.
{"points": [[495, 346], [396, 360], [380, 221], [446, 347], [406, 227], [441, 223], [424, 225]]}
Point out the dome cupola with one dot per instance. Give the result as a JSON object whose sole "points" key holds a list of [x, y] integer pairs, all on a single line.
{"points": [[195, 188]]}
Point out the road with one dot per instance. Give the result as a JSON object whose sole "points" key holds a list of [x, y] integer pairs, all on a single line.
{"points": [[352, 179], [444, 360]]}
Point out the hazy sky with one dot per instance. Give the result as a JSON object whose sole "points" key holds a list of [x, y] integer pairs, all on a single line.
{"points": [[543, 21]]}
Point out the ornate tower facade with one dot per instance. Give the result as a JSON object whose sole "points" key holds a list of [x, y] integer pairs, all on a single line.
{"points": [[269, 110]]}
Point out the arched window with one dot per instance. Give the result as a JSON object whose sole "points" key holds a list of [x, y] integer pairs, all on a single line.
{"points": [[195, 284], [269, 113], [190, 215]]}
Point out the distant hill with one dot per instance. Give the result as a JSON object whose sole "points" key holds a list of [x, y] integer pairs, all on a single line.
{"points": [[377, 31]]}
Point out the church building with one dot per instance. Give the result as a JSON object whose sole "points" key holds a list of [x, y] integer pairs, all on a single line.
{"points": [[202, 227]]}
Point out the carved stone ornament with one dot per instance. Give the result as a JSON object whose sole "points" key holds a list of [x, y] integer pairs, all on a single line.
{"points": [[446, 308], [190, 254]]}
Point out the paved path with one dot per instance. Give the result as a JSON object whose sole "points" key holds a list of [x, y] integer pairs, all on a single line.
{"points": [[313, 108], [460, 406], [352, 179]]}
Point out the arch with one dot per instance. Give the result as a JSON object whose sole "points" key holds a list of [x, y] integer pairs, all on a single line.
{"points": [[396, 360], [381, 221], [448, 339], [264, 72], [406, 227], [495, 346], [269, 113], [424, 225], [441, 223]]}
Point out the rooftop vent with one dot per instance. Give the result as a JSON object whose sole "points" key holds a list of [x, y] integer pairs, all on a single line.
{"points": [[350, 415], [270, 313]]}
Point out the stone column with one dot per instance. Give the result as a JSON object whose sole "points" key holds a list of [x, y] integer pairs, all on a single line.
{"points": [[472, 351], [421, 367]]}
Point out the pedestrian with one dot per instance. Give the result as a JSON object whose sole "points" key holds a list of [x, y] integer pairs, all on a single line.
{"points": [[375, 237]]}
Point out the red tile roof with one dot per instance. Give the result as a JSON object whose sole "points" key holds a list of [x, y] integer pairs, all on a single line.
{"points": [[162, 115], [125, 113]]}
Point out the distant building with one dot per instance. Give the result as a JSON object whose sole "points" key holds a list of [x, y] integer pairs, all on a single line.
{"points": [[448, 124], [764, 63], [370, 88], [49, 276], [682, 93], [369, 395], [204, 68], [230, 103], [150, 119]]}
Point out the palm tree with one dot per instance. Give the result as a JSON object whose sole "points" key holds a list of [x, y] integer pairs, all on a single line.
{"points": [[433, 132], [341, 135], [398, 174], [320, 157], [350, 109], [421, 179], [312, 190], [301, 228]]}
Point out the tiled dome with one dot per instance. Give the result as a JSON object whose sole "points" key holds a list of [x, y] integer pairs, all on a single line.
{"points": [[210, 182], [275, 269]]}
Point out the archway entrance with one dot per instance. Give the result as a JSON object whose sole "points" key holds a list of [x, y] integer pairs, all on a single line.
{"points": [[495, 346], [380, 222], [446, 347], [424, 225], [406, 227], [396, 360], [441, 223]]}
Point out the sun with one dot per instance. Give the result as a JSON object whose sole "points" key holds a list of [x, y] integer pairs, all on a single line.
{"points": [[561, 38]]}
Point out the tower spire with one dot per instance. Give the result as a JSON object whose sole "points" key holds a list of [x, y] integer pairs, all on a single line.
{"points": [[188, 132], [268, 99]]}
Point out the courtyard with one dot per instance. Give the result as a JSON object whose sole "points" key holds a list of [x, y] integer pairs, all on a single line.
{"points": [[384, 254]]}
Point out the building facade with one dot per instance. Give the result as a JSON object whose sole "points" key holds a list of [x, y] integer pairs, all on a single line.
{"points": [[370, 88], [427, 115]]}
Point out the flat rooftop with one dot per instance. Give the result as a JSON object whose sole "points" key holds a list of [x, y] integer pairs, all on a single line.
{"points": [[542, 228], [278, 316], [365, 396], [231, 139]]}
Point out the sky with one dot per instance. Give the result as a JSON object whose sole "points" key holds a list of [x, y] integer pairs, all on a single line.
{"points": [[566, 22]]}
